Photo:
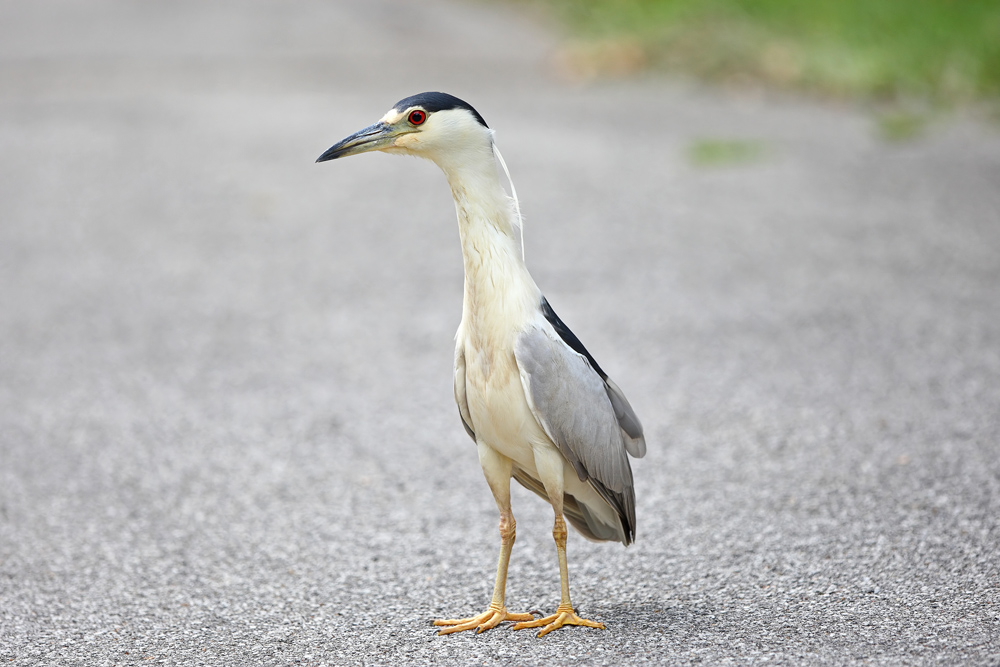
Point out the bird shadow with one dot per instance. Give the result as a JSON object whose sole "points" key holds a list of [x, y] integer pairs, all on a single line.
{"points": [[669, 617]]}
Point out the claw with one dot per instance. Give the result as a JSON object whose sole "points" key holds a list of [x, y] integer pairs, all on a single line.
{"points": [[563, 616], [488, 620]]}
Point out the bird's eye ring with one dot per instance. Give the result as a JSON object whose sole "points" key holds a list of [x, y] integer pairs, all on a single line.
{"points": [[417, 117]]}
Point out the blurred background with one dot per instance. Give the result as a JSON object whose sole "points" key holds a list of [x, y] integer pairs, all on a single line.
{"points": [[934, 50], [908, 61], [227, 432]]}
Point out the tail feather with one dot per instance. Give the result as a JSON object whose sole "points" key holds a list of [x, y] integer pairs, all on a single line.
{"points": [[579, 516]]}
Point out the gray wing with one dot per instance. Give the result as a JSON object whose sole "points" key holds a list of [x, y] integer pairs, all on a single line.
{"points": [[632, 435], [573, 405], [460, 396], [635, 441]]}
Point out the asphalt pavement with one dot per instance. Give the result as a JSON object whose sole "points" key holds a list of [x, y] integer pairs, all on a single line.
{"points": [[227, 431]]}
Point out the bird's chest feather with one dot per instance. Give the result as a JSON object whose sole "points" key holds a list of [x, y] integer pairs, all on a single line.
{"points": [[500, 299], [497, 405]]}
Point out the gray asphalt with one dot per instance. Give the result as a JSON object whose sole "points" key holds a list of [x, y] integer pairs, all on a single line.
{"points": [[227, 432]]}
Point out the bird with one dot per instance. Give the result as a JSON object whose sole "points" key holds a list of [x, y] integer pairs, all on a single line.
{"points": [[533, 399]]}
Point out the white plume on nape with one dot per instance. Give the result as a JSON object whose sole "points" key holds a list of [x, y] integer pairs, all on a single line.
{"points": [[513, 192]]}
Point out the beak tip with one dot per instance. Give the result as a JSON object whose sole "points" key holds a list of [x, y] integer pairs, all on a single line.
{"points": [[373, 137]]}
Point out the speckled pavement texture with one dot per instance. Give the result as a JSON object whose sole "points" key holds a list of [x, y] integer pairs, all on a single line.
{"points": [[227, 432]]}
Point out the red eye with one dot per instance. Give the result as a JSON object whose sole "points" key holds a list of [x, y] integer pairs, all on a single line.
{"points": [[417, 117]]}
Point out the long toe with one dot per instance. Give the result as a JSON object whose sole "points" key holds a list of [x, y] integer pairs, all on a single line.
{"points": [[488, 620], [563, 616]]}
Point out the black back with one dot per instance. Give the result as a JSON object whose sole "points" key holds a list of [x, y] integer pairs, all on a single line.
{"points": [[569, 337], [431, 102]]}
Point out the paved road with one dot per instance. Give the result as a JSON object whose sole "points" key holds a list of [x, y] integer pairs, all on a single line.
{"points": [[227, 433]]}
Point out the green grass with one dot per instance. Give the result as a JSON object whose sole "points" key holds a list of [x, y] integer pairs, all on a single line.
{"points": [[944, 51], [900, 126], [724, 152]]}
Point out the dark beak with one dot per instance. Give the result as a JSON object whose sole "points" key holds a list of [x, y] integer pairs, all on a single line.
{"points": [[372, 138]]}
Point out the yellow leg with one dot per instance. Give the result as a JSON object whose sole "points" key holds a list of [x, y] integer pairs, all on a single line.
{"points": [[496, 612], [496, 469], [564, 612]]}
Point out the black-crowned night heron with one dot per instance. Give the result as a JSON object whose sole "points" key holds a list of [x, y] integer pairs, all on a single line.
{"points": [[535, 401]]}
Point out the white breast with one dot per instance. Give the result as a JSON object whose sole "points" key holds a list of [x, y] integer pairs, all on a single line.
{"points": [[500, 299]]}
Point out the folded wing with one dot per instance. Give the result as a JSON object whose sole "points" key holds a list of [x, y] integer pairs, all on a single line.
{"points": [[582, 412]]}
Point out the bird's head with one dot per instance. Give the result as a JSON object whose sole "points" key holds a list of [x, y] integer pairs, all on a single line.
{"points": [[436, 126]]}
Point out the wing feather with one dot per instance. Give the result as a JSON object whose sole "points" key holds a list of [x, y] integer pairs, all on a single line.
{"points": [[577, 513], [460, 392], [635, 442], [571, 402]]}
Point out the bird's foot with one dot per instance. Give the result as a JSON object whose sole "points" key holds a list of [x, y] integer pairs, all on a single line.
{"points": [[487, 620], [564, 616]]}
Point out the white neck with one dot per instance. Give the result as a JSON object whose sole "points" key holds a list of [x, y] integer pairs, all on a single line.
{"points": [[499, 291]]}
